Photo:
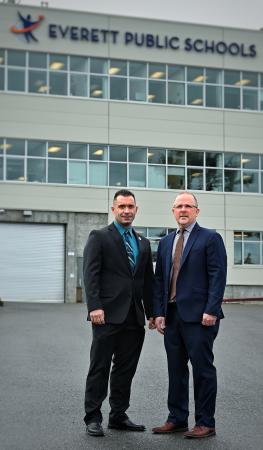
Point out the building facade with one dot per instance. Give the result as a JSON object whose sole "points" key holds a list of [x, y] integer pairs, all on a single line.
{"points": [[91, 103]]}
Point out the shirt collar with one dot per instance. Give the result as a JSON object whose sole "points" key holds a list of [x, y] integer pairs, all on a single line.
{"points": [[189, 228], [122, 229]]}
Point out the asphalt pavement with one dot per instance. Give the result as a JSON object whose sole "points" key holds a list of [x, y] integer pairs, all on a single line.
{"points": [[44, 358]]}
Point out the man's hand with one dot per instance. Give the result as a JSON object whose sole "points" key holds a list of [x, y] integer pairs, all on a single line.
{"points": [[151, 323], [208, 320], [160, 324], [97, 317]]}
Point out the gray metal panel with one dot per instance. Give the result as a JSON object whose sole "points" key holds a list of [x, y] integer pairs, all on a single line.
{"points": [[32, 262]]}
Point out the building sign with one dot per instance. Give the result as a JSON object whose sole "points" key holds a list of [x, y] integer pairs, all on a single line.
{"points": [[129, 38]]}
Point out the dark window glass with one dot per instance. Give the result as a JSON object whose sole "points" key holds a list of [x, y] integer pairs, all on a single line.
{"points": [[78, 64], [15, 169], [16, 80], [2, 79], [2, 56], [118, 67], [195, 158], [214, 96], [118, 153], [251, 236], [118, 174], [176, 157], [16, 58], [195, 95], [249, 79], [176, 93], [250, 181], [195, 74], [156, 92], [156, 156], [250, 99], [98, 87], [138, 154], [57, 171], [251, 253], [176, 178], [58, 62], [58, 83], [1, 168], [157, 71], [36, 148], [15, 147], [176, 73], [137, 175], [99, 65], [138, 69], [98, 152], [77, 151], [138, 90], [250, 161], [232, 98], [118, 88], [214, 180], [57, 149], [214, 76], [232, 77], [38, 60], [36, 170], [37, 81], [233, 160], [78, 85], [214, 159], [232, 181], [195, 179], [237, 253]]}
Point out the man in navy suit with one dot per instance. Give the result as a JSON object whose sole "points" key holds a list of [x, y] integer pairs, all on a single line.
{"points": [[187, 310]]}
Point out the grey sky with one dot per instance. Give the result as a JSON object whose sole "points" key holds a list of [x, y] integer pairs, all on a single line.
{"points": [[231, 13]]}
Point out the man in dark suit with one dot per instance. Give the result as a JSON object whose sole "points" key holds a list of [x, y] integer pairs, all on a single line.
{"points": [[118, 279], [190, 280]]}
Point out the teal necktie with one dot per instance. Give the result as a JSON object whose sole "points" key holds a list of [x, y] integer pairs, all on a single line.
{"points": [[129, 249]]}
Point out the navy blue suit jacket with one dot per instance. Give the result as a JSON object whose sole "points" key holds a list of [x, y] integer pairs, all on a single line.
{"points": [[202, 276]]}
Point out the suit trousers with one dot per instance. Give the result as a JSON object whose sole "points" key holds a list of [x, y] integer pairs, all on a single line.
{"points": [[119, 345], [186, 341]]}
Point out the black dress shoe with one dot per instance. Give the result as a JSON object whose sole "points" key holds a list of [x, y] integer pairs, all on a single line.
{"points": [[95, 429], [126, 425]]}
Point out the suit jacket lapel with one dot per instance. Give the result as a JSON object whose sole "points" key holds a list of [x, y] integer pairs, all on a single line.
{"points": [[168, 255], [120, 244], [140, 248], [190, 241]]}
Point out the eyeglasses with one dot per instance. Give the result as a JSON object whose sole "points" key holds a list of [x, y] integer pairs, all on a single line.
{"points": [[184, 206]]}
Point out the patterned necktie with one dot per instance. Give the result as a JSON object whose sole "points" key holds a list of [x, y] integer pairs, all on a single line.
{"points": [[176, 263], [129, 249]]}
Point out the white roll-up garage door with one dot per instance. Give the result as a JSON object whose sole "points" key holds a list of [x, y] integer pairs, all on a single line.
{"points": [[32, 262]]}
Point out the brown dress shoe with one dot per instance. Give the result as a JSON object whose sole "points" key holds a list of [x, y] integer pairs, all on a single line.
{"points": [[169, 427], [200, 431]]}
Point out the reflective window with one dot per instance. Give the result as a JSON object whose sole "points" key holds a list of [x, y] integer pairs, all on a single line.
{"points": [[214, 76], [57, 171], [156, 177], [261, 99], [36, 148], [1, 168], [58, 83], [232, 77], [249, 79], [99, 65], [118, 174], [37, 60], [156, 156], [213, 159], [138, 69], [78, 85], [138, 90], [37, 81], [15, 169], [77, 151], [250, 99], [232, 98], [15, 147], [176, 93], [58, 62], [77, 172], [156, 92], [2, 56], [16, 58], [78, 64], [214, 96], [98, 87], [237, 252], [176, 73], [195, 95], [16, 80], [250, 161], [195, 179], [137, 175], [250, 181], [214, 180], [157, 71], [36, 170], [57, 149], [233, 160], [176, 157], [118, 153], [2, 79], [195, 158], [98, 152], [118, 67], [138, 154], [118, 88], [98, 174], [176, 178], [195, 74], [232, 181]]}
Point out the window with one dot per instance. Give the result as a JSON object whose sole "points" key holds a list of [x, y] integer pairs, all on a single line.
{"points": [[247, 247]]}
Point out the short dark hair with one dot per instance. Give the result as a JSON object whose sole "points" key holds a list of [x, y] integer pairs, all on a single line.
{"points": [[124, 193]]}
